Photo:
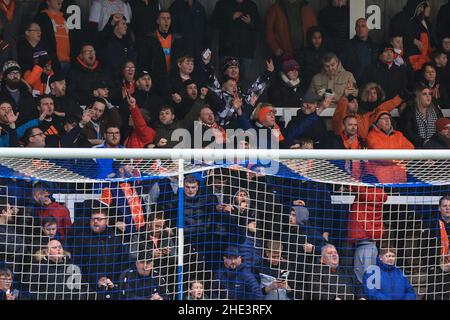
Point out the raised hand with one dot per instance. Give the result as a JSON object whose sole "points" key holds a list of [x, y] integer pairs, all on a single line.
{"points": [[131, 101], [237, 105], [203, 92], [86, 117], [12, 118], [43, 115]]}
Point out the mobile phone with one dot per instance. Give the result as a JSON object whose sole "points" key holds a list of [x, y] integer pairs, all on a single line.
{"points": [[283, 276], [206, 54]]}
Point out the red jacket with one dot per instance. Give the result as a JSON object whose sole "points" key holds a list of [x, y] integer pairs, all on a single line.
{"points": [[142, 134], [60, 213], [366, 214]]}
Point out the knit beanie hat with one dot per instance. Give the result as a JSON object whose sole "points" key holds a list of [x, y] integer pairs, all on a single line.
{"points": [[10, 66], [441, 123], [289, 64]]}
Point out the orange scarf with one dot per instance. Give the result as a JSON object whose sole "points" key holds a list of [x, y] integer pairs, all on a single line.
{"points": [[444, 238], [135, 204], [419, 60], [355, 144], [86, 66], [8, 10]]}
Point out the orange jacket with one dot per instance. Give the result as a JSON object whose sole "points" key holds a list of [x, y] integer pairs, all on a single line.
{"points": [[388, 171], [277, 27], [33, 78], [365, 120]]}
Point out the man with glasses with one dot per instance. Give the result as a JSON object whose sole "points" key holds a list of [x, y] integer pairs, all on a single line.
{"points": [[112, 141], [99, 252], [34, 138], [85, 71]]}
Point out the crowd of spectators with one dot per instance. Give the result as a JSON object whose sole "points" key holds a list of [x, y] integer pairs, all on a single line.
{"points": [[150, 71], [146, 77]]}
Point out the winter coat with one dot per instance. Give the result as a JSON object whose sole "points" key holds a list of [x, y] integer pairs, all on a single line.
{"points": [[48, 39], [7, 132], [364, 120], [392, 80], [335, 142], [49, 280], [409, 126], [285, 93], [335, 21], [359, 54], [393, 284], [437, 143], [336, 83], [151, 58], [236, 38], [192, 24], [366, 214], [407, 24], [133, 286], [114, 51], [310, 58], [277, 26], [328, 285], [306, 126], [165, 131], [388, 171], [101, 255], [142, 134], [443, 22], [81, 79], [26, 104], [240, 283]]}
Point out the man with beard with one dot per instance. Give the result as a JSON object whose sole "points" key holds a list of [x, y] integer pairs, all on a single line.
{"points": [[112, 141], [235, 277], [16, 93], [64, 105]]}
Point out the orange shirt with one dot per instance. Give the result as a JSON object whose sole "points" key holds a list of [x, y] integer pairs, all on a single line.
{"points": [[61, 35]]}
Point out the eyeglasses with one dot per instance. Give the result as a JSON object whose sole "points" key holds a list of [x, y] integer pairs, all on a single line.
{"points": [[37, 134], [113, 133]]}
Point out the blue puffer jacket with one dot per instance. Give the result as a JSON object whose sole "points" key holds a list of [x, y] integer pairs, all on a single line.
{"points": [[393, 284]]}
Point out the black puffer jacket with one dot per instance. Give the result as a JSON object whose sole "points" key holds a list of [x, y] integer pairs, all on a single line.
{"points": [[443, 22]]}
